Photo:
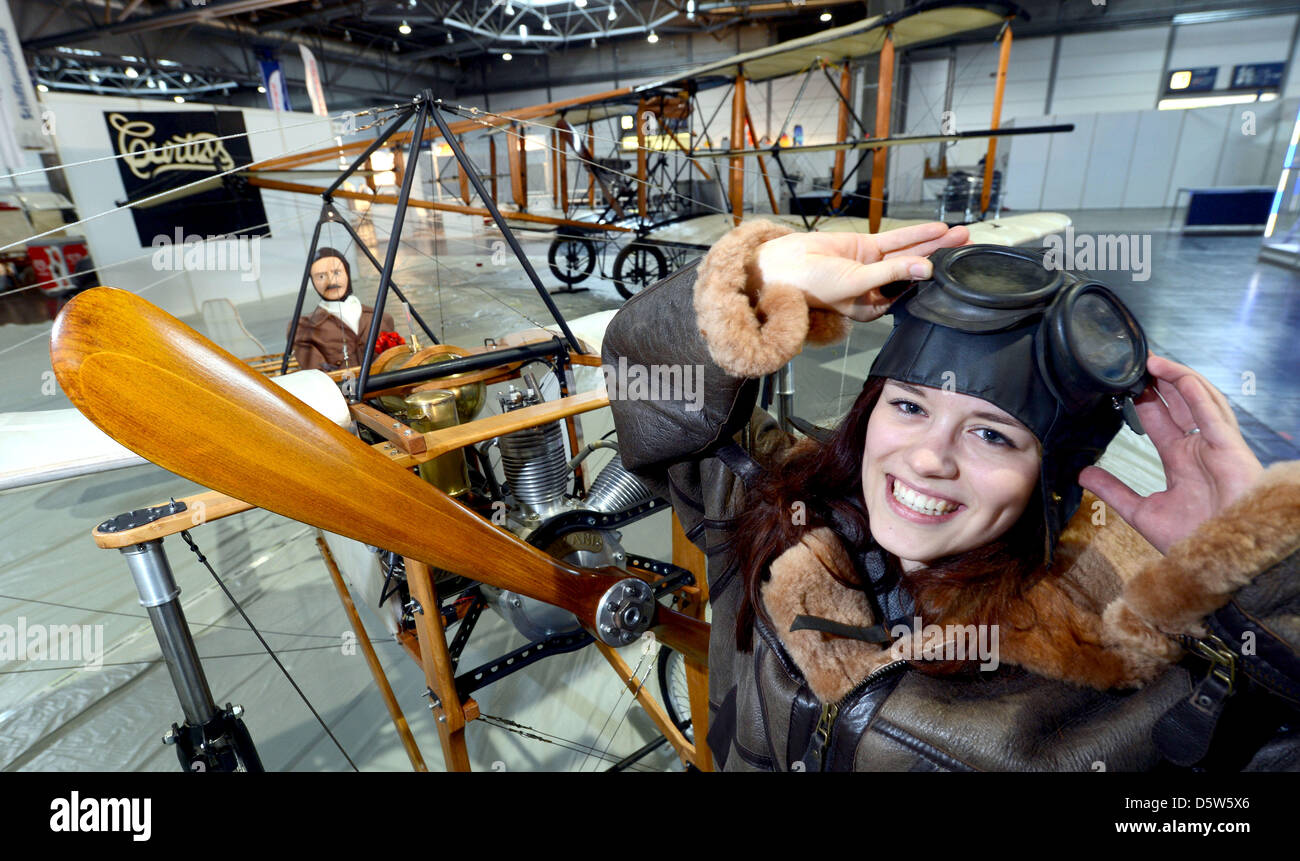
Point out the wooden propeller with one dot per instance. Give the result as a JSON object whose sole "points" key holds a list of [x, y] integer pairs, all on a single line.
{"points": [[172, 396]]}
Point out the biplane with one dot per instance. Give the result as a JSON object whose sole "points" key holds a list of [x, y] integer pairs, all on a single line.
{"points": [[537, 542], [655, 188]]}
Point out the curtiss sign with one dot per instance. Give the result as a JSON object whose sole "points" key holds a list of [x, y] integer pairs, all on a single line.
{"points": [[164, 150]]}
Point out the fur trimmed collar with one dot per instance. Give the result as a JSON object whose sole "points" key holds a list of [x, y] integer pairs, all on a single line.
{"points": [[1103, 618]]}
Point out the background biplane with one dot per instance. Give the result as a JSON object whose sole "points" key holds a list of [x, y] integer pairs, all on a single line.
{"points": [[649, 184], [648, 217]]}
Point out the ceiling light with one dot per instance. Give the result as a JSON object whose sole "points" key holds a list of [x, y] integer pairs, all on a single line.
{"points": [[652, 38], [581, 4], [162, 85], [612, 14], [186, 77], [593, 42], [404, 28], [261, 89], [546, 23], [523, 31], [180, 100], [151, 84], [450, 38], [94, 77], [42, 88], [507, 57], [131, 72], [347, 35], [825, 16], [510, 9], [412, 4]]}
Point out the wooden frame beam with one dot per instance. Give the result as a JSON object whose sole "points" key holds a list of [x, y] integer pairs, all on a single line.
{"points": [[884, 95], [1004, 57]]}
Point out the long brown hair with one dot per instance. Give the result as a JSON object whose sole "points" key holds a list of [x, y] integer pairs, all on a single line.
{"points": [[824, 480]]}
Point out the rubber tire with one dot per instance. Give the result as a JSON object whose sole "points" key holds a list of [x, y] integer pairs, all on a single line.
{"points": [[554, 255], [628, 288], [669, 658]]}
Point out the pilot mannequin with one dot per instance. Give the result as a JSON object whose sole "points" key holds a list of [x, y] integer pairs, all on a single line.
{"points": [[334, 335]]}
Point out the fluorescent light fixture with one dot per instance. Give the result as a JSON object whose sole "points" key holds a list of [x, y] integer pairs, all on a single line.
{"points": [[1204, 102], [1282, 180]]}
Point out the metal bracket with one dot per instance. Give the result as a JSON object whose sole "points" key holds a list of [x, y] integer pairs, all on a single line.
{"points": [[140, 517]]}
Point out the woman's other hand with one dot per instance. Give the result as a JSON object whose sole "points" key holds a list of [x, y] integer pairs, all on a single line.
{"points": [[844, 271], [1206, 470]]}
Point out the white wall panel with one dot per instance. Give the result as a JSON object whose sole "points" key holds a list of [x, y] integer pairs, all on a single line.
{"points": [[1151, 167], [1067, 164], [1114, 137], [1244, 159], [1196, 160], [1026, 172]]}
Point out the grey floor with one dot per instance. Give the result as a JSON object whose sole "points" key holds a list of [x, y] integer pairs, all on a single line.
{"points": [[1207, 304]]}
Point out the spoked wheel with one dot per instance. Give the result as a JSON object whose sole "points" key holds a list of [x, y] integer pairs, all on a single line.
{"points": [[571, 258], [638, 266], [673, 692]]}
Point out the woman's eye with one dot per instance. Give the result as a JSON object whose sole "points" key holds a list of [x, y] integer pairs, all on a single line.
{"points": [[907, 407], [994, 438]]}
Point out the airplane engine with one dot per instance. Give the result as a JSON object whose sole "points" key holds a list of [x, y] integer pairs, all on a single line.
{"points": [[536, 496]]}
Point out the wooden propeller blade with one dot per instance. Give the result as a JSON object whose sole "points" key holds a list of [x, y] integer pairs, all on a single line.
{"points": [[172, 396]]}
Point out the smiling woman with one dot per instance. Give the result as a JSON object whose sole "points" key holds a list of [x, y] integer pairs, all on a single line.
{"points": [[946, 508]]}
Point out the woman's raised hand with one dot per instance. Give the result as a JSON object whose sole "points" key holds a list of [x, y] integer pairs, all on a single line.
{"points": [[844, 271], [1208, 465]]}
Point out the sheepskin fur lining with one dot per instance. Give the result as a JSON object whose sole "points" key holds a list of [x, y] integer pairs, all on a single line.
{"points": [[751, 331], [1102, 619]]}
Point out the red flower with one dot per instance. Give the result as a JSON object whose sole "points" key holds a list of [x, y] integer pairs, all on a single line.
{"points": [[387, 340]]}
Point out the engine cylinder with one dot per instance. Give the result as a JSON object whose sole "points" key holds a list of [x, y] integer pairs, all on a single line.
{"points": [[615, 488], [536, 466]]}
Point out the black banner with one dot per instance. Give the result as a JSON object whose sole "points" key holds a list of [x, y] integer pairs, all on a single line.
{"points": [[164, 150]]}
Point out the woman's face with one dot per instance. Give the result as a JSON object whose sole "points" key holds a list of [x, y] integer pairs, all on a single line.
{"points": [[943, 472]]}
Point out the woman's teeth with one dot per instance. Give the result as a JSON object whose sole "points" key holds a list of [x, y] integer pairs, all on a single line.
{"points": [[921, 503]]}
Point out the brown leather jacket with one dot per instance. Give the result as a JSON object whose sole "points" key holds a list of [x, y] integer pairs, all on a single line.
{"points": [[323, 342], [1089, 686]]}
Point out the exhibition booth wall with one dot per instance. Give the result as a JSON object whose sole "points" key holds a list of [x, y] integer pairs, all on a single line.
{"points": [[134, 248]]}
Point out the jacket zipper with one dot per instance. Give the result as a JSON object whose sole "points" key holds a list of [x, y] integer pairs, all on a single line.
{"points": [[831, 711]]}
